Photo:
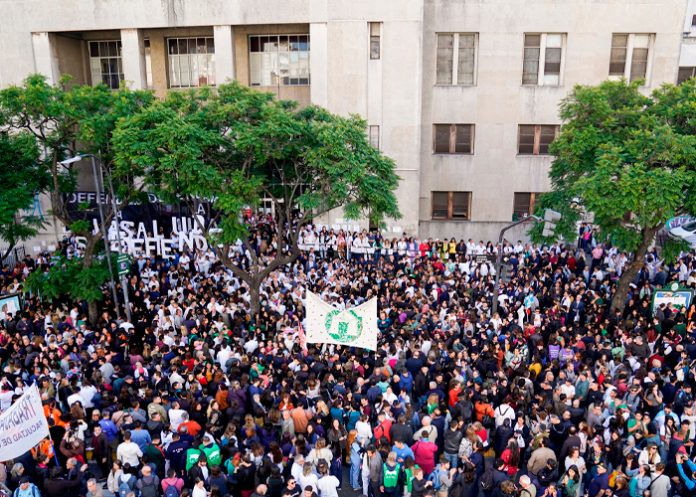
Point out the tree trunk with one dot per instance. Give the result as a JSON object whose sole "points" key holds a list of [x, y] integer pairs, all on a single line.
{"points": [[631, 270], [254, 293], [92, 312]]}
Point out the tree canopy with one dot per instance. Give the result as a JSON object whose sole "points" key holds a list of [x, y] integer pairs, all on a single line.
{"points": [[628, 159], [60, 122], [236, 146], [22, 178]]}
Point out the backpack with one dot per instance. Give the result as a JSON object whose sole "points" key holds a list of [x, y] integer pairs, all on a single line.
{"points": [[171, 491], [149, 489], [434, 478], [487, 483], [125, 487], [391, 476]]}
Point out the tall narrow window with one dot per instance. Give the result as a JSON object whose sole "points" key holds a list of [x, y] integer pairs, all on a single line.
{"points": [[373, 131], [639, 57], [619, 48], [105, 63], [451, 205], [552, 59], [453, 138], [630, 56], [375, 40], [191, 62], [456, 59], [148, 63], [543, 58], [445, 54], [535, 139], [532, 54]]}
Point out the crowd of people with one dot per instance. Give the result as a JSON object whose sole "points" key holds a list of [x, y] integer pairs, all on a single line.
{"points": [[554, 395]]}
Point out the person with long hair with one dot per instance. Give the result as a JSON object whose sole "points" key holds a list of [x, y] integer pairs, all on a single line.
{"points": [[570, 482], [511, 457]]}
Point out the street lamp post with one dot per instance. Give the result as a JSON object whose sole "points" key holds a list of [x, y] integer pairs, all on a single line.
{"points": [[498, 260], [550, 219], [102, 227], [124, 283]]}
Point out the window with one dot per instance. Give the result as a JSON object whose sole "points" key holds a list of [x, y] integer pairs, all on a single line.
{"points": [[191, 62], [148, 63], [543, 55], [456, 59], [524, 205], [279, 60], [375, 45], [630, 56], [685, 73], [451, 205], [373, 131], [453, 138], [534, 139], [693, 20], [105, 63]]}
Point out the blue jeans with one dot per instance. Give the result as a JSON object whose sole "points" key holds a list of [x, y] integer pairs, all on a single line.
{"points": [[453, 459], [355, 478]]}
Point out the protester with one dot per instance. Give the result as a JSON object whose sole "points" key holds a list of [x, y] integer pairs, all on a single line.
{"points": [[556, 393]]}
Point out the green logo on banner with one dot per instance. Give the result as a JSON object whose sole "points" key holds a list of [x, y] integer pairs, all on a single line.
{"points": [[346, 329]]}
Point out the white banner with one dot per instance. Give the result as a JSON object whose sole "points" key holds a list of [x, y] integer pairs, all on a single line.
{"points": [[22, 426], [356, 327]]}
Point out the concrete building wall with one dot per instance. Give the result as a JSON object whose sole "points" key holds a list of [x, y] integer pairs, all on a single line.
{"points": [[397, 91], [499, 102]]}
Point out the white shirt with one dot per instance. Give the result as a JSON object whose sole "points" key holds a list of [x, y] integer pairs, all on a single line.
{"points": [[311, 480], [503, 412], [6, 400], [176, 417], [327, 486], [129, 452]]}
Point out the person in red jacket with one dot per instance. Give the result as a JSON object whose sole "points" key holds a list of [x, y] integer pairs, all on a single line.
{"points": [[383, 428]]}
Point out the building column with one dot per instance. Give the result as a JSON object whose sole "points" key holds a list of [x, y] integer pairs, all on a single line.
{"points": [[45, 58], [318, 63], [224, 54], [133, 59]]}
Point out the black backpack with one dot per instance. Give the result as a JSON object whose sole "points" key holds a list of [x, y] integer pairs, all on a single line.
{"points": [[487, 481]]}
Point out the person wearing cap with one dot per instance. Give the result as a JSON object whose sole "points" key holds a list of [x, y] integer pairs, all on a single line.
{"points": [[599, 485]]}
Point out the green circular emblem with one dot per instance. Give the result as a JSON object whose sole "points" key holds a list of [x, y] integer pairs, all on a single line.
{"points": [[344, 327]]}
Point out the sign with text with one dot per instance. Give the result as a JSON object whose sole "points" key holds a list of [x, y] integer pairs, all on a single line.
{"points": [[22, 426], [146, 228]]}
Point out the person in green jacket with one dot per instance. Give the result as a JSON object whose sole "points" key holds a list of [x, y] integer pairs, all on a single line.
{"points": [[409, 468], [211, 451], [192, 455], [155, 455]]}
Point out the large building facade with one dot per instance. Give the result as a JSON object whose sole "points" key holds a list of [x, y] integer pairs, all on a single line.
{"points": [[462, 94]]}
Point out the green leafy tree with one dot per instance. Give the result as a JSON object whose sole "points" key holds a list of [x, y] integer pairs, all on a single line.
{"points": [[65, 120], [69, 277], [237, 146], [629, 160], [21, 177]]}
